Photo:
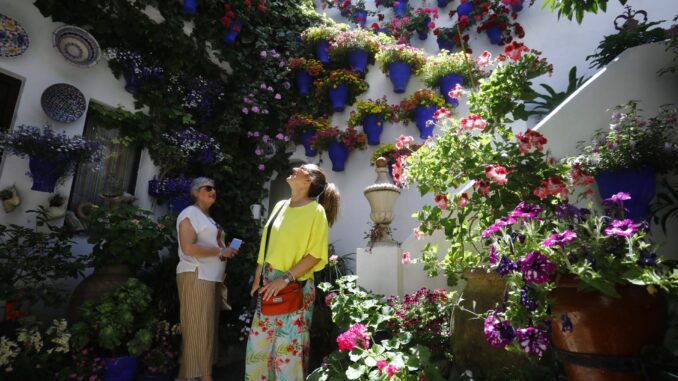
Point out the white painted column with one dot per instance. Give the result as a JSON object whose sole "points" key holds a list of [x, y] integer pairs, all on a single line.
{"points": [[380, 269]]}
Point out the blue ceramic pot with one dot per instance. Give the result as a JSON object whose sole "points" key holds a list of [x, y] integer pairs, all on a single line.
{"points": [[444, 43], [518, 7], [338, 154], [401, 8], [132, 81], [423, 114], [179, 202], [121, 368], [303, 80], [232, 33], [494, 34], [338, 97], [322, 51], [640, 183], [423, 33], [464, 9], [447, 83], [190, 6], [45, 173], [399, 72], [373, 125], [308, 150], [443, 3], [357, 59], [360, 17]]}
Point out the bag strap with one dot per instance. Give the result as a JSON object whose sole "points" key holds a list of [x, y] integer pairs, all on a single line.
{"points": [[268, 235]]}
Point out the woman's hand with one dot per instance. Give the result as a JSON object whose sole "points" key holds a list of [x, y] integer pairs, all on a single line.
{"points": [[272, 289], [255, 287], [229, 252]]}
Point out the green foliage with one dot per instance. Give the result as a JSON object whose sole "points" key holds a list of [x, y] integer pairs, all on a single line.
{"points": [[343, 42], [577, 8], [121, 323], [32, 259], [364, 108], [414, 57], [445, 63], [352, 304], [125, 234], [326, 32], [613, 45], [356, 85], [542, 104]]}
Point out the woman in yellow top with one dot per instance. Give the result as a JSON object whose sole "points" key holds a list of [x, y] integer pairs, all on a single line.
{"points": [[278, 346]]}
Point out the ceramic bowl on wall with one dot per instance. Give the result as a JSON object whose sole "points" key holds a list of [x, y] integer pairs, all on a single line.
{"points": [[13, 37], [63, 102], [77, 45]]}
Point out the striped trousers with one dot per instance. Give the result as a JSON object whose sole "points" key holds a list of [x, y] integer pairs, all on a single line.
{"points": [[199, 317]]}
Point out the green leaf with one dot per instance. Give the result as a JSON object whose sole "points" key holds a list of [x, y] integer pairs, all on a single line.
{"points": [[355, 371]]}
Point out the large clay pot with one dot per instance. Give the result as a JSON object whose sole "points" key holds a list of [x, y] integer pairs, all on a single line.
{"points": [[92, 288], [470, 348], [604, 328]]}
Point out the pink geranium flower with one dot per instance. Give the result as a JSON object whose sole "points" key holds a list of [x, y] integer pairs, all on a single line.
{"points": [[403, 141], [496, 173], [484, 59], [441, 201], [406, 260], [456, 92]]}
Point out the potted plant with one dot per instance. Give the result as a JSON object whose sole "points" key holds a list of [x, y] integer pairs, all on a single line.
{"points": [[498, 22], [358, 45], [583, 278], [400, 7], [341, 87], [355, 10], [302, 127], [136, 69], [125, 238], [371, 114], [236, 14], [160, 361], [305, 69], [317, 39], [422, 22], [54, 211], [120, 325], [51, 155], [10, 199], [421, 107], [447, 38], [338, 144], [399, 62], [627, 156], [194, 147], [392, 154], [446, 70], [176, 190]]}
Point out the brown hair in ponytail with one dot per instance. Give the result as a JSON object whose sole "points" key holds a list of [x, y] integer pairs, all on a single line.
{"points": [[327, 193]]}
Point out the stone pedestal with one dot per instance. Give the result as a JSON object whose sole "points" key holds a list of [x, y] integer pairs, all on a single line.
{"points": [[380, 269]]}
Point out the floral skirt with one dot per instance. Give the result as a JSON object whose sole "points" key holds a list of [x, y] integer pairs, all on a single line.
{"points": [[278, 346]]}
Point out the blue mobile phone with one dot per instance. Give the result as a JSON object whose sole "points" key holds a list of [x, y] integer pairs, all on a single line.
{"points": [[235, 244]]}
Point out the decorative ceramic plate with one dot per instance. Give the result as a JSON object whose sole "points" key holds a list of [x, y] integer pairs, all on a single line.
{"points": [[63, 102], [13, 37], [77, 45]]}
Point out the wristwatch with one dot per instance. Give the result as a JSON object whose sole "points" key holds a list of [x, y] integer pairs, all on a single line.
{"points": [[286, 278]]}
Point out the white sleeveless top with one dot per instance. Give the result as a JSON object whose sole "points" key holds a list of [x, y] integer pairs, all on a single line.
{"points": [[209, 268]]}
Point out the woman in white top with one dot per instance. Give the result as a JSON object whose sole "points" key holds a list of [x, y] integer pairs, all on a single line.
{"points": [[202, 255]]}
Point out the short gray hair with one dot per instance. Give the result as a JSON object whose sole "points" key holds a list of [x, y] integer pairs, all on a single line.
{"points": [[199, 181]]}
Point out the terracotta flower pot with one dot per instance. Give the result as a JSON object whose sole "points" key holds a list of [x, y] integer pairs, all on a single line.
{"points": [[92, 288], [605, 329], [11, 203]]}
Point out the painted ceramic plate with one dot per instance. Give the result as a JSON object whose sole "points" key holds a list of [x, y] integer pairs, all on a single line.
{"points": [[13, 37], [63, 102], [77, 45]]}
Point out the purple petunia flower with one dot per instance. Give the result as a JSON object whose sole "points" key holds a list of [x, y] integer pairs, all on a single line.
{"points": [[533, 341], [567, 323], [525, 210], [624, 228], [647, 260], [560, 239], [619, 197], [493, 255], [506, 265], [529, 303], [500, 223], [536, 268], [498, 333]]}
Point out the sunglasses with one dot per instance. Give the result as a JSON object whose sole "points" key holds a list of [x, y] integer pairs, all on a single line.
{"points": [[208, 188]]}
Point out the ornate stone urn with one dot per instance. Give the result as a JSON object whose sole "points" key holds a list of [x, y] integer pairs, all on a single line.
{"points": [[382, 196], [10, 199]]}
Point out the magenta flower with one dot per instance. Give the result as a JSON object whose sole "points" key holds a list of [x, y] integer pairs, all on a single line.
{"points": [[406, 258], [356, 335], [536, 268], [498, 333], [625, 228], [261, 167], [493, 255], [533, 341], [381, 364], [500, 223], [619, 197], [560, 239], [525, 210], [329, 297], [255, 109], [278, 96], [245, 110]]}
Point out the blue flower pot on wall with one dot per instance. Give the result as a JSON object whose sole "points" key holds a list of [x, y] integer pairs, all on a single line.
{"points": [[121, 368], [357, 59], [305, 137], [400, 9], [518, 7], [422, 115], [443, 3], [447, 83], [360, 17], [444, 43], [322, 51], [373, 125], [179, 202], [494, 34], [338, 154], [303, 80], [190, 6], [45, 173], [399, 72], [464, 9], [232, 33], [338, 97], [423, 33], [132, 82], [640, 183]]}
